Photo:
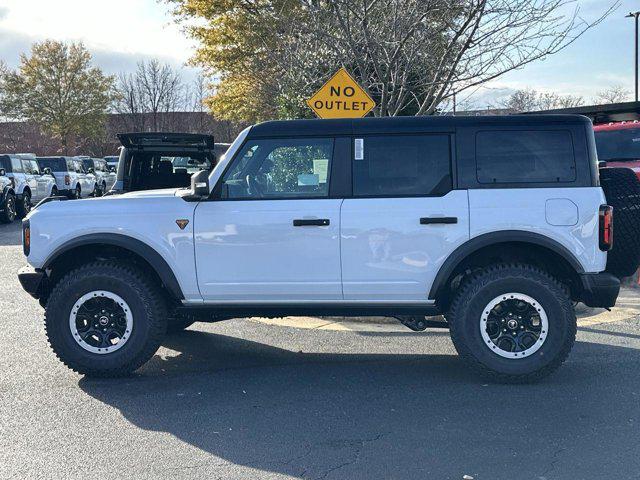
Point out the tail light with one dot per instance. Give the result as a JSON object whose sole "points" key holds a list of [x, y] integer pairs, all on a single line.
{"points": [[67, 180], [606, 228], [26, 237]]}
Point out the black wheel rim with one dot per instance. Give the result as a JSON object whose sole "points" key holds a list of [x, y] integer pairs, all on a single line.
{"points": [[101, 322], [11, 208], [26, 203], [514, 325]]}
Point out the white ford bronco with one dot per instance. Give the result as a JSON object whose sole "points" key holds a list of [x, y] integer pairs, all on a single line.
{"points": [[499, 224]]}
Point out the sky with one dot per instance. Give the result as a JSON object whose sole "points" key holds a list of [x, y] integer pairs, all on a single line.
{"points": [[119, 33]]}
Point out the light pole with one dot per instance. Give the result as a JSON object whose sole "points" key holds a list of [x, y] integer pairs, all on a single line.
{"points": [[636, 15]]}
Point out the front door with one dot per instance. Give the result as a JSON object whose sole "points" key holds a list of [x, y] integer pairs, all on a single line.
{"points": [[404, 218], [274, 234]]}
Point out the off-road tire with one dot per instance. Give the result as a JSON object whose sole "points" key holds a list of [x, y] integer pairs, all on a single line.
{"points": [[23, 207], [9, 214], [622, 190], [141, 294], [477, 291]]}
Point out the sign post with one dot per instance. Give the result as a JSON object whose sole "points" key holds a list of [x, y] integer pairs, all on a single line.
{"points": [[341, 97]]}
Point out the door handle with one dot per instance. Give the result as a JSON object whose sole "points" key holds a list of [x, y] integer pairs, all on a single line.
{"points": [[436, 220], [305, 222]]}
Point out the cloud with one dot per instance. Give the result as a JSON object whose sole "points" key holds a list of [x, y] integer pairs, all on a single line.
{"points": [[12, 44], [4, 11]]}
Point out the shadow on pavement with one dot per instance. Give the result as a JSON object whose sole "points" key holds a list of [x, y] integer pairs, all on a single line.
{"points": [[11, 233], [385, 416]]}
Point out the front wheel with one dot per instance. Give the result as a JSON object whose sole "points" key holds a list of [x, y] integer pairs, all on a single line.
{"points": [[23, 207], [8, 215], [105, 319], [512, 323]]}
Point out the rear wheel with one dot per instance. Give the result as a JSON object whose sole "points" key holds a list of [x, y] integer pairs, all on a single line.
{"points": [[512, 323], [23, 207], [105, 319], [9, 213], [77, 193], [54, 191]]}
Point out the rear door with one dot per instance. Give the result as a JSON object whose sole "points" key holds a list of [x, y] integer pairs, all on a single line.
{"points": [[273, 235], [404, 219]]}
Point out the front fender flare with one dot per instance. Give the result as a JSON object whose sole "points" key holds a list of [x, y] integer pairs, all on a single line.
{"points": [[150, 255]]}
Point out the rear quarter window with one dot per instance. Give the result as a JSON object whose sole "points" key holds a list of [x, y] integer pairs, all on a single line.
{"points": [[525, 156]]}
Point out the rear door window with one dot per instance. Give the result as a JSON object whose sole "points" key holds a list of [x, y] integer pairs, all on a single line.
{"points": [[402, 165], [525, 156]]}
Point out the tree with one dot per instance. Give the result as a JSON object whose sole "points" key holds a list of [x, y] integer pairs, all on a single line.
{"points": [[57, 88], [145, 97], [529, 100], [410, 55], [613, 94]]}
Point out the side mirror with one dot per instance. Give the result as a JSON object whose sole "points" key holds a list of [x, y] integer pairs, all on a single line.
{"points": [[90, 170], [46, 171], [2, 172], [200, 184]]}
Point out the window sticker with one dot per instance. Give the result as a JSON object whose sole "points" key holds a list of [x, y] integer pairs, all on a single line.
{"points": [[308, 180], [320, 168], [359, 149]]}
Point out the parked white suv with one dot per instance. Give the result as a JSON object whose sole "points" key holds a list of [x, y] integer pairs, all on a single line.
{"points": [[498, 223], [30, 184], [71, 178], [105, 177]]}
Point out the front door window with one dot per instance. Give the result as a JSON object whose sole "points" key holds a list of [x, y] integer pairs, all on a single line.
{"points": [[280, 168]]}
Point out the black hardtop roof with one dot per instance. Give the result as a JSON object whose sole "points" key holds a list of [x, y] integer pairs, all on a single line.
{"points": [[404, 124]]}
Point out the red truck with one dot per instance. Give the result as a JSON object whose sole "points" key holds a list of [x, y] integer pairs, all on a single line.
{"points": [[619, 144]]}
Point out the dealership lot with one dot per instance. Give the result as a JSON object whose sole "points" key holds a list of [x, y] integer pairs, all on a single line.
{"points": [[264, 399]]}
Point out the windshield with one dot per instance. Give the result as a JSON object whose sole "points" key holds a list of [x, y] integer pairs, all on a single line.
{"points": [[618, 144], [55, 164]]}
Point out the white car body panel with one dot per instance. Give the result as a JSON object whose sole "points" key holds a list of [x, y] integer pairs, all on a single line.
{"points": [[532, 210], [148, 218], [250, 250], [387, 254]]}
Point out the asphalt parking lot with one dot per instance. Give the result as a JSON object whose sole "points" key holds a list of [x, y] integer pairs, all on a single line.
{"points": [[334, 400]]}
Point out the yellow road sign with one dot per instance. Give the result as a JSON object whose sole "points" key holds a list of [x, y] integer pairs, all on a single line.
{"points": [[341, 97]]}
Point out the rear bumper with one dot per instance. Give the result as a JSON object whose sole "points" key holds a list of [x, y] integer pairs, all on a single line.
{"points": [[32, 280], [599, 289]]}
